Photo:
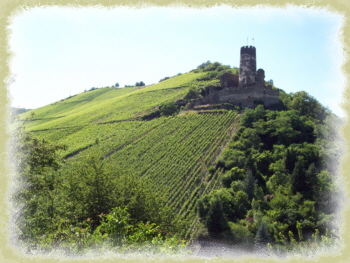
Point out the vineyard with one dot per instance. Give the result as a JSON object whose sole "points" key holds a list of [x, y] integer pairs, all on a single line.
{"points": [[175, 152], [109, 104]]}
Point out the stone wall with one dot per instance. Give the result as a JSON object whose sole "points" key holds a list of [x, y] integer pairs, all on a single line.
{"points": [[242, 96], [228, 80]]}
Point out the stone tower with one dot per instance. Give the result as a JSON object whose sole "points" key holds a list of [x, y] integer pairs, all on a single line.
{"points": [[247, 75]]}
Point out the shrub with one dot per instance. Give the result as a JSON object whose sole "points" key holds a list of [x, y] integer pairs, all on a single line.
{"points": [[168, 109]]}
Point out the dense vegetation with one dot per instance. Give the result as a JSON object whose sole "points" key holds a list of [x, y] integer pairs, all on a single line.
{"points": [[278, 187], [88, 205], [129, 167]]}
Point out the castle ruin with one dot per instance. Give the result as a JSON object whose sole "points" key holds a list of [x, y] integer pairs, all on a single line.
{"points": [[246, 89]]}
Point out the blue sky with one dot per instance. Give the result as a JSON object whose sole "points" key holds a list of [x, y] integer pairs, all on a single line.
{"points": [[59, 52]]}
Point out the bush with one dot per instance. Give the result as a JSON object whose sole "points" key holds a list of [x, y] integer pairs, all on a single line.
{"points": [[203, 65], [168, 109], [240, 233], [191, 94], [164, 79]]}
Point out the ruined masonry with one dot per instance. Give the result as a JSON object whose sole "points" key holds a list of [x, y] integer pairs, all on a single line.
{"points": [[246, 90]]}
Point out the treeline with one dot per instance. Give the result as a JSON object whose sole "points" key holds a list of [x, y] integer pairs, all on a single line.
{"points": [[278, 188], [116, 85], [87, 205], [17, 111]]}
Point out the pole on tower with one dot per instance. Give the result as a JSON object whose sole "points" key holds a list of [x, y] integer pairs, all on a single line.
{"points": [[253, 41]]}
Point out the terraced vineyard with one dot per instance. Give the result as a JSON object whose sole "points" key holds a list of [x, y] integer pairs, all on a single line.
{"points": [[174, 152], [110, 104]]}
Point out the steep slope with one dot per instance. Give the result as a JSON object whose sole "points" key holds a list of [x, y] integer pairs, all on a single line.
{"points": [[174, 152], [110, 104]]}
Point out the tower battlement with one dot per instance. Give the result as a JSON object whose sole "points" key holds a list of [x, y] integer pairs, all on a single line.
{"points": [[248, 50]]}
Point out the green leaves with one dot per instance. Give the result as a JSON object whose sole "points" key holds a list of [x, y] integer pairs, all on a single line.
{"points": [[262, 235], [284, 180], [92, 186], [168, 109]]}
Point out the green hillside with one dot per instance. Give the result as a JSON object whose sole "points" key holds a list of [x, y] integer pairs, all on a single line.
{"points": [[132, 155], [108, 105], [173, 152]]}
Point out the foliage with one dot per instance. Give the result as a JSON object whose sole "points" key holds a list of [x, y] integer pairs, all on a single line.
{"points": [[79, 206], [168, 109], [275, 173], [193, 93], [204, 65], [208, 66], [165, 78], [262, 235]]}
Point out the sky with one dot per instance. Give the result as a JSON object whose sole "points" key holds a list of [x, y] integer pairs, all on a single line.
{"points": [[61, 51]]}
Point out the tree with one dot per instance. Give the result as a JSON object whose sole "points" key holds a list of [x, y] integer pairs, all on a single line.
{"points": [[38, 181], [168, 109], [308, 105], [298, 176], [216, 220], [203, 65], [262, 235], [165, 78], [116, 85], [139, 84], [233, 175], [249, 184], [291, 158], [241, 204], [91, 187]]}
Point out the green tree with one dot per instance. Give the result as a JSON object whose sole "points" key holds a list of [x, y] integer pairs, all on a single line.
{"points": [[249, 183], [168, 109], [233, 175], [216, 221], [290, 160], [241, 204], [262, 235], [38, 182], [308, 105], [203, 65], [139, 84], [298, 176], [91, 187]]}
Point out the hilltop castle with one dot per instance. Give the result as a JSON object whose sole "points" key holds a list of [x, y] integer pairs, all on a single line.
{"points": [[246, 89]]}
